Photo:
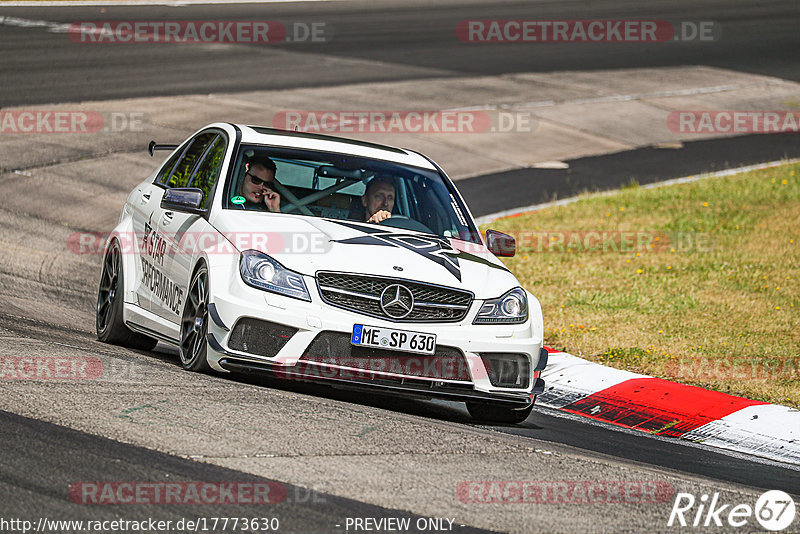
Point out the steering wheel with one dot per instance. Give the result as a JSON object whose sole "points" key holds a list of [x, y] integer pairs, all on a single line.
{"points": [[405, 223]]}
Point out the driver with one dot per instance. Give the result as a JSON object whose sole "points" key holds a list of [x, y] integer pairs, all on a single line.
{"points": [[257, 186], [378, 199]]}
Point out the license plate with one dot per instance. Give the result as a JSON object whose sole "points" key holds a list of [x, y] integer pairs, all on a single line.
{"points": [[391, 339]]}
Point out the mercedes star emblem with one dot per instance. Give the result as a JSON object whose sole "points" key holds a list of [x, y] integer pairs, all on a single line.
{"points": [[397, 301]]}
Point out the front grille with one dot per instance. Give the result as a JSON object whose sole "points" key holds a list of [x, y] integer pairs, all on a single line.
{"points": [[334, 348], [262, 338], [362, 294]]}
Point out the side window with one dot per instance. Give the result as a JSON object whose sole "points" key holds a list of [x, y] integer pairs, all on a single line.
{"points": [[166, 170], [182, 171], [207, 172]]}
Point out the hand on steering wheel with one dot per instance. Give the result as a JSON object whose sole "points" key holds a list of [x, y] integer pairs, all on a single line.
{"points": [[379, 216], [395, 217]]}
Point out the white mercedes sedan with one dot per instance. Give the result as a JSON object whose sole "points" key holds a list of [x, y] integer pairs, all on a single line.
{"points": [[316, 258]]}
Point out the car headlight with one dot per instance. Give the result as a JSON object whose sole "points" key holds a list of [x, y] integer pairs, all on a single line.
{"points": [[262, 272], [511, 308]]}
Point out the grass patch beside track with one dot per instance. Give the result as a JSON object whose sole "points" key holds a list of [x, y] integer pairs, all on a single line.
{"points": [[696, 282]]}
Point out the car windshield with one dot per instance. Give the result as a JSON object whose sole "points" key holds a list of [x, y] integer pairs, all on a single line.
{"points": [[330, 185]]}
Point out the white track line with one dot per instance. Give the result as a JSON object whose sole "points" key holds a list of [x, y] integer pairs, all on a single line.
{"points": [[623, 98]]}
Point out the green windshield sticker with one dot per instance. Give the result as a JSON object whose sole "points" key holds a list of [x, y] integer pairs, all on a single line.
{"points": [[238, 200]]}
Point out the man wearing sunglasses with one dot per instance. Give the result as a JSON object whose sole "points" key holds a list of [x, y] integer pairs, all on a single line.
{"points": [[257, 185]]}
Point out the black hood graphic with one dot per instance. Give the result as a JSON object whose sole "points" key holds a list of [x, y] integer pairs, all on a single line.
{"points": [[435, 249]]}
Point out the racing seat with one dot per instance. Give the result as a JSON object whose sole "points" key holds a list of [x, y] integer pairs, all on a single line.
{"points": [[357, 211]]}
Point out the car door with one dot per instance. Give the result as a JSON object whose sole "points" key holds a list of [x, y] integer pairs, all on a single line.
{"points": [[144, 202], [180, 231]]}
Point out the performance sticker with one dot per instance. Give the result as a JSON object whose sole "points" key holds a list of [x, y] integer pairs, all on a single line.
{"points": [[153, 244], [154, 247]]}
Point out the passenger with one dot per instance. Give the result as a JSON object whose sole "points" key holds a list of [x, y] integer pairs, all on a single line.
{"points": [[378, 199], [257, 187]]}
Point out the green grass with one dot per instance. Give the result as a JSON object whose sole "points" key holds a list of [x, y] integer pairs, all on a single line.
{"points": [[704, 292]]}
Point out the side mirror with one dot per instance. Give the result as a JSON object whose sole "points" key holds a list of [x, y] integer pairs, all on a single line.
{"points": [[500, 244], [187, 199]]}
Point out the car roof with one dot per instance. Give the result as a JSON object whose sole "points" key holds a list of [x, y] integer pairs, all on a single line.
{"points": [[263, 135]]}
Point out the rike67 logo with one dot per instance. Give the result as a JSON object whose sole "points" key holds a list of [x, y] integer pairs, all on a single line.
{"points": [[774, 510]]}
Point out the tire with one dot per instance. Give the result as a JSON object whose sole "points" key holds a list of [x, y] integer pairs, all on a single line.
{"points": [[498, 414], [108, 319], [194, 324]]}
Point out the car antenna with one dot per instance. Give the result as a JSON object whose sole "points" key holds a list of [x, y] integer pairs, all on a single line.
{"points": [[153, 146]]}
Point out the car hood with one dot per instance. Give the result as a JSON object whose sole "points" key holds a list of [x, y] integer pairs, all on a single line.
{"points": [[308, 245]]}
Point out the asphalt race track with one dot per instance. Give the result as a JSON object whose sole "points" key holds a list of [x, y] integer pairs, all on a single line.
{"points": [[416, 39], [28, 444], [605, 172], [335, 454]]}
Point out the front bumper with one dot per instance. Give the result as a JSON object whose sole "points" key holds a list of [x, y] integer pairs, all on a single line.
{"points": [[311, 320], [404, 387]]}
